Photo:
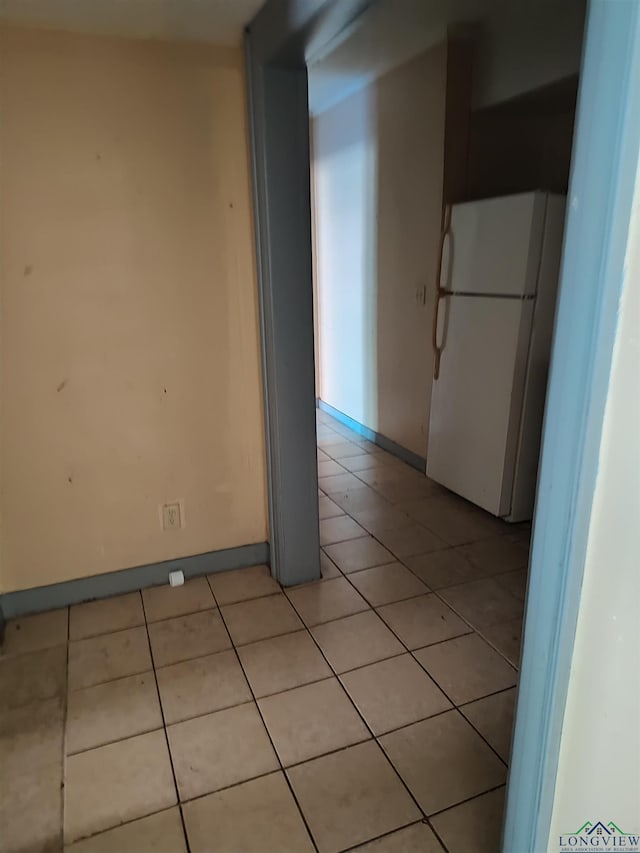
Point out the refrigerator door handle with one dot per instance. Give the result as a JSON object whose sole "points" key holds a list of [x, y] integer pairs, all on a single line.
{"points": [[440, 292]]}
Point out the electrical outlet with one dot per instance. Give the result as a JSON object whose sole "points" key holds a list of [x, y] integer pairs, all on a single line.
{"points": [[171, 517]]}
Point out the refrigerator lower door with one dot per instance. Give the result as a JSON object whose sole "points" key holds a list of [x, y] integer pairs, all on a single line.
{"points": [[476, 402]]}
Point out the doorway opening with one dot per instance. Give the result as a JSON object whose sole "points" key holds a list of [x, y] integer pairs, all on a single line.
{"points": [[517, 119], [440, 164]]}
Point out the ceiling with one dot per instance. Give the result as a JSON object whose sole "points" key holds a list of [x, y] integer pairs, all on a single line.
{"points": [[389, 33], [214, 21], [519, 45]]}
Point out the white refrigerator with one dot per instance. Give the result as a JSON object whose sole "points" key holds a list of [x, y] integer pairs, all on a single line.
{"points": [[493, 325]]}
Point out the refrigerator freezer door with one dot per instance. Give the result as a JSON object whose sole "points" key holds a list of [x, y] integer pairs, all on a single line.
{"points": [[493, 246], [477, 400]]}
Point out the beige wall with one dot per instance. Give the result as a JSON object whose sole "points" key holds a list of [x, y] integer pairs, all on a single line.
{"points": [[130, 360], [378, 171]]}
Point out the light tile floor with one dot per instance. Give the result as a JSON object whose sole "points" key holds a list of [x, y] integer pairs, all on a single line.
{"points": [[371, 710]]}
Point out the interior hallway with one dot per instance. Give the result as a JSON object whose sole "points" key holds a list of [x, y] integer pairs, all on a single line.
{"points": [[231, 715]]}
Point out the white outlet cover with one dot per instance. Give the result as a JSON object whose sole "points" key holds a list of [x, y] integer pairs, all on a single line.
{"points": [[172, 516]]}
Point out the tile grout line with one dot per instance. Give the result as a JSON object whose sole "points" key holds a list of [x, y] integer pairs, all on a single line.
{"points": [[454, 705], [478, 630], [301, 629], [474, 630], [490, 534], [470, 799], [232, 784], [389, 834], [268, 733], [459, 582], [415, 478], [424, 819], [119, 740], [335, 673], [430, 590], [109, 680], [304, 627], [410, 651], [164, 728], [435, 814], [487, 696], [374, 738]]}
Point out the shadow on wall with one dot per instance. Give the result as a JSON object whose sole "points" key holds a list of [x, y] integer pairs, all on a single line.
{"points": [[378, 171]]}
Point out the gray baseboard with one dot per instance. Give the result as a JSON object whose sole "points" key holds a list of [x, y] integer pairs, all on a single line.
{"points": [[56, 595], [408, 456]]}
